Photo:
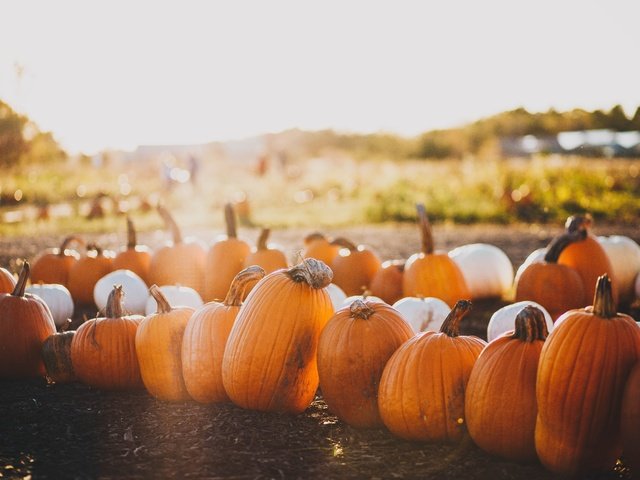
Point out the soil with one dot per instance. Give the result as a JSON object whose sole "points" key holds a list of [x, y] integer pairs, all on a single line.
{"points": [[74, 431]]}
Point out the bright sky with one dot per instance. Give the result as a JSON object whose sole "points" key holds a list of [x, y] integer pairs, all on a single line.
{"points": [[122, 73]]}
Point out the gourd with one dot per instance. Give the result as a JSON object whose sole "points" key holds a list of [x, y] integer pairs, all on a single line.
{"points": [[25, 323], [177, 296], [57, 298], [423, 313], [487, 270], [134, 289], [103, 350], [270, 361], [353, 349], [387, 282], [583, 368], [500, 400], [205, 338], [433, 273], [503, 320], [85, 273], [422, 388], [354, 267], [134, 257], [52, 266]]}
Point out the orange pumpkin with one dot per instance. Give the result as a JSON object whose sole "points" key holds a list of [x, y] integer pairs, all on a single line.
{"points": [[134, 257], [387, 282], [56, 354], [317, 246], [354, 267], [103, 350], [159, 348], [179, 263], [269, 362], [352, 351], [422, 389], [500, 400], [584, 365], [432, 273], [588, 257], [25, 323], [85, 273], [205, 338], [225, 259], [558, 288], [53, 265], [7, 281], [630, 421], [269, 257]]}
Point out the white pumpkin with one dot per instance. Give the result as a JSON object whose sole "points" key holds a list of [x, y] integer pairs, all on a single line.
{"points": [[423, 314], [624, 254], [486, 269], [504, 319], [135, 291], [537, 256], [57, 298], [349, 300], [177, 296], [337, 295]]}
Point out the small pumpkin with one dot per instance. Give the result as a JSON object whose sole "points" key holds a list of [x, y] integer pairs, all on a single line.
{"points": [[85, 273], [486, 268], [205, 338], [354, 267], [270, 362], [103, 350], [630, 420], [133, 257], [424, 314], [225, 259], [387, 282], [159, 348], [500, 399], [583, 368], [7, 281], [537, 256], [56, 354], [432, 273], [503, 320], [422, 388], [25, 323], [135, 291], [53, 265], [270, 257], [317, 246], [352, 351], [57, 298], [177, 296]]}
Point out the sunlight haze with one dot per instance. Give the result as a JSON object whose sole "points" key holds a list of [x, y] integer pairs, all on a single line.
{"points": [[122, 74]]}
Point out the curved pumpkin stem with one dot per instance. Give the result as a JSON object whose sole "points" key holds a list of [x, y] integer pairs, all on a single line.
{"points": [[170, 224], [230, 221], [559, 243], [603, 304], [530, 325], [344, 243], [93, 247], [360, 309], [67, 241], [579, 222], [262, 239], [115, 307], [425, 229], [451, 324], [313, 236], [240, 284], [314, 272], [132, 240], [21, 284], [163, 304]]}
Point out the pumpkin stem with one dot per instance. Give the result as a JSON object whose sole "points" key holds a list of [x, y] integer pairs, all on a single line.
{"points": [[262, 239], [240, 283], [313, 237], [161, 300], [578, 222], [66, 242], [18, 290], [170, 224], [559, 243], [230, 221], [451, 324], [344, 243], [530, 325], [115, 308], [360, 309], [425, 229], [131, 234], [93, 247], [603, 304], [314, 272]]}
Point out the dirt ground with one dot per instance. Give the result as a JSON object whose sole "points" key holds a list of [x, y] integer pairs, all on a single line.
{"points": [[73, 431]]}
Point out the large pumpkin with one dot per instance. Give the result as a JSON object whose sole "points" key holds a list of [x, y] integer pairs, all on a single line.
{"points": [[225, 259], [353, 349], [354, 267], [500, 400], [269, 362], [583, 369], [25, 323], [205, 338], [52, 266], [134, 257], [422, 389], [433, 273], [85, 273], [630, 421]]}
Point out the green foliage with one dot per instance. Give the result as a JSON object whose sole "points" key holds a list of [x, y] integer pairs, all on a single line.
{"points": [[12, 142]]}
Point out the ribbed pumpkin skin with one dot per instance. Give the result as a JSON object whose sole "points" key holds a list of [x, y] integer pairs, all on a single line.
{"points": [[179, 264], [387, 282], [352, 352], [583, 368], [631, 421], [159, 348], [270, 359], [434, 275], [85, 273], [353, 270], [137, 259], [7, 282], [500, 400], [224, 260], [422, 389], [103, 353], [56, 354]]}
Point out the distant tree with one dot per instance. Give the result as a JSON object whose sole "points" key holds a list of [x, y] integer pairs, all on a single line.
{"points": [[635, 121], [618, 119], [12, 142]]}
